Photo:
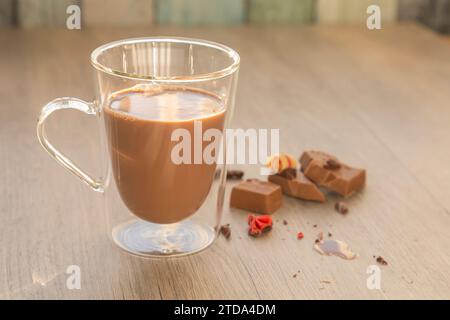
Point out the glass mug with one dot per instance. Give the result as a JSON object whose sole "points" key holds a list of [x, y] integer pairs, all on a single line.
{"points": [[153, 95]]}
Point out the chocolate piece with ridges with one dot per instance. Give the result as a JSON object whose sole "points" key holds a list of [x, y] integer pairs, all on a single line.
{"points": [[344, 180], [256, 196], [298, 187]]}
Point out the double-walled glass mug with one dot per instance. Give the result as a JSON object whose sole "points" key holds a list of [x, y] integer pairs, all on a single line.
{"points": [[162, 104]]}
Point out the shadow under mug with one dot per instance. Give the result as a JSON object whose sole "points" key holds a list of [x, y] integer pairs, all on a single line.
{"points": [[147, 89]]}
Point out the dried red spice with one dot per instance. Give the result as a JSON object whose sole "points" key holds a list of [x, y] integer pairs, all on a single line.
{"points": [[300, 235], [259, 224]]}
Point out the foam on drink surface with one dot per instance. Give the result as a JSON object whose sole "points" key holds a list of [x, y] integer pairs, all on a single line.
{"points": [[176, 104]]}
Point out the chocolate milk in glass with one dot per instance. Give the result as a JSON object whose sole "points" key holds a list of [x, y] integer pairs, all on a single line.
{"points": [[139, 124]]}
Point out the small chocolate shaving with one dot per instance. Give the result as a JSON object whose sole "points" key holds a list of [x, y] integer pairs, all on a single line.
{"points": [[225, 230], [341, 207], [315, 226], [329, 234], [235, 174], [332, 164], [285, 222], [381, 261]]}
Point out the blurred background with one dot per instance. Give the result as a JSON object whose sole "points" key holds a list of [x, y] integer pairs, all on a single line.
{"points": [[123, 13]]}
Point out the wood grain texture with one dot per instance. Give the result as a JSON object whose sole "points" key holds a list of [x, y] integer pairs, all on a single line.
{"points": [[352, 11], [6, 13], [411, 9], [119, 13], [436, 14], [287, 11], [376, 99], [198, 12]]}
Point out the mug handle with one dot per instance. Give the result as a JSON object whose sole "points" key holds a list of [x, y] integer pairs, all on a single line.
{"points": [[47, 110]]}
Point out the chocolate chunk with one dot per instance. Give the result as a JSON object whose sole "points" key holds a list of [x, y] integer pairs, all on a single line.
{"points": [[298, 187], [235, 174], [381, 261], [231, 174], [256, 196], [344, 180], [225, 230], [332, 164], [341, 207], [288, 174], [285, 222]]}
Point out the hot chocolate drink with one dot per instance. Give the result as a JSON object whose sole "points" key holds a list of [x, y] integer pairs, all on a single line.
{"points": [[139, 124]]}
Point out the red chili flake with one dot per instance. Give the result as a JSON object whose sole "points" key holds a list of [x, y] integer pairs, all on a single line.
{"points": [[300, 235], [259, 224]]}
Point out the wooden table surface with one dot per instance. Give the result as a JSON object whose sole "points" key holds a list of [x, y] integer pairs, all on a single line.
{"points": [[376, 99]]}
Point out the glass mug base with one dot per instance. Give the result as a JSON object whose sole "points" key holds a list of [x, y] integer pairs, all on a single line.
{"points": [[153, 240]]}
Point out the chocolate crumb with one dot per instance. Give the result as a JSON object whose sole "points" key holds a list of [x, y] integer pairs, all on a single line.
{"points": [[381, 261], [317, 241], [315, 226], [285, 222], [225, 230], [332, 164], [341, 207], [235, 174], [329, 234], [294, 276]]}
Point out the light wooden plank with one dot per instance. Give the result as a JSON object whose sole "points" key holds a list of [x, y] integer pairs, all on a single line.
{"points": [[6, 13], [411, 9], [120, 13], [43, 13], [436, 14], [287, 11], [353, 11], [347, 90], [198, 12]]}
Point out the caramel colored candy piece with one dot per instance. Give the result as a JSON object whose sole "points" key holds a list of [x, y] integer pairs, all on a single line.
{"points": [[298, 187], [256, 196], [342, 179]]}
